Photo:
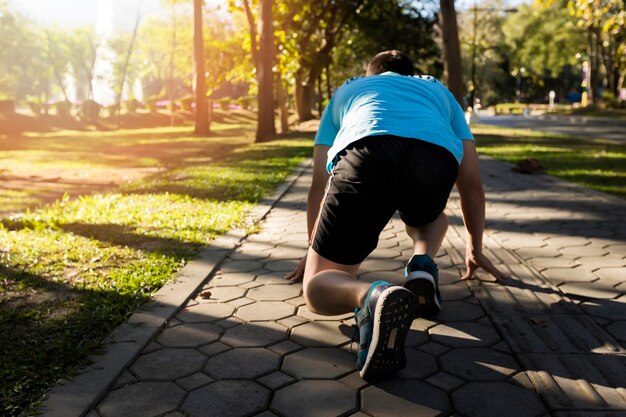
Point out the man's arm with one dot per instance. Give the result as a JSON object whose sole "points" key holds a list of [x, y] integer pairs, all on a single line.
{"points": [[472, 194], [314, 200]]}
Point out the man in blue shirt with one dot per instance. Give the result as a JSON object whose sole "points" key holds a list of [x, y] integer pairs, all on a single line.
{"points": [[390, 142]]}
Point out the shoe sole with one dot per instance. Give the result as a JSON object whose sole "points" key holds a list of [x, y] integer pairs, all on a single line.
{"points": [[423, 286], [392, 319]]}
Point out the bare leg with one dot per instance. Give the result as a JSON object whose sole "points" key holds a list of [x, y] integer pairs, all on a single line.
{"points": [[427, 239], [331, 288]]}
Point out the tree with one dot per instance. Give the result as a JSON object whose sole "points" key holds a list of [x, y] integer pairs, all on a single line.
{"points": [[265, 61], [452, 51], [200, 89], [263, 57]]}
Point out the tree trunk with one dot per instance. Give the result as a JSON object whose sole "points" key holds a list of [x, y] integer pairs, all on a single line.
{"points": [[452, 51], [129, 53], [265, 125], [202, 114], [281, 98]]}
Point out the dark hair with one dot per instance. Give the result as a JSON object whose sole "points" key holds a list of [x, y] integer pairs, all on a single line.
{"points": [[394, 61]]}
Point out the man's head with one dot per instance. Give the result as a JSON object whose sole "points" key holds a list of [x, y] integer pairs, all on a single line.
{"points": [[394, 61]]}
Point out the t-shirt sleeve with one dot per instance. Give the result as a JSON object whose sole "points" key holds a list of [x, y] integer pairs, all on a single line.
{"points": [[328, 129], [457, 119]]}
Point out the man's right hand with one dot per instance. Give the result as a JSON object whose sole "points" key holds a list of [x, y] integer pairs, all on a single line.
{"points": [[473, 261], [297, 275]]}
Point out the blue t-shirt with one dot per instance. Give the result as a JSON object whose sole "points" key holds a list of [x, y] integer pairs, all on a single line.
{"points": [[391, 104]]}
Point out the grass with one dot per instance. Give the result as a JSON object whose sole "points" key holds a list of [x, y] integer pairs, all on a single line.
{"points": [[592, 111], [73, 270], [596, 164]]}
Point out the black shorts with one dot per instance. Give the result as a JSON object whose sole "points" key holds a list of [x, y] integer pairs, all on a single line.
{"points": [[373, 178]]}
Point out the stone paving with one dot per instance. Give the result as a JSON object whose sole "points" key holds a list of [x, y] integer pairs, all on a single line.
{"points": [[548, 341]]}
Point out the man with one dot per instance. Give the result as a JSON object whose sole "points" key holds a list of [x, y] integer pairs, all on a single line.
{"points": [[390, 141]]}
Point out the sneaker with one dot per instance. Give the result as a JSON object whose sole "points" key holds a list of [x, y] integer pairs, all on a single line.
{"points": [[422, 279], [383, 323]]}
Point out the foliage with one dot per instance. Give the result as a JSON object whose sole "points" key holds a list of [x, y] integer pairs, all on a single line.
{"points": [[89, 263], [593, 163]]}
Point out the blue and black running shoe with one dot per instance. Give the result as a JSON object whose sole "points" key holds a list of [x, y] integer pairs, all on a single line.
{"points": [[383, 323], [422, 279]]}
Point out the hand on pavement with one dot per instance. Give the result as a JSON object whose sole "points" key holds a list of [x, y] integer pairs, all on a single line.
{"points": [[475, 261], [297, 275]]}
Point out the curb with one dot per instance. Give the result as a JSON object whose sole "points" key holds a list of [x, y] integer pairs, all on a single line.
{"points": [[76, 396]]}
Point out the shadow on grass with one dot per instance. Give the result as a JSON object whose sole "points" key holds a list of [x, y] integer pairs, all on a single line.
{"points": [[57, 324]]}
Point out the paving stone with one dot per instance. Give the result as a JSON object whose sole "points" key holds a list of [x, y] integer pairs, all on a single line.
{"points": [[618, 330], [226, 399], [529, 253], [242, 363], [449, 277], [434, 348], [283, 252], [258, 334], [416, 338], [616, 275], [314, 398], [556, 262], [578, 381], [555, 333], [229, 322], [353, 380], [281, 266], [306, 313], [298, 301], [419, 365], [381, 253], [265, 311], [318, 363], [587, 413], [141, 399], [292, 321], [231, 279], [168, 364], [395, 277], [275, 292], [321, 333], [589, 250], [214, 348], [463, 334], [124, 379], [454, 292], [240, 302], [376, 265], [240, 266], [275, 380], [515, 297], [249, 285], [460, 311], [189, 335], [503, 399], [274, 277], [602, 261], [445, 381], [590, 290], [609, 309], [194, 381], [285, 347], [566, 241], [478, 364], [205, 313], [396, 398], [225, 294]]}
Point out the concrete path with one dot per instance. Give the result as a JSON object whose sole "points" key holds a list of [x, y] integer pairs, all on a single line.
{"points": [[549, 341], [588, 127]]}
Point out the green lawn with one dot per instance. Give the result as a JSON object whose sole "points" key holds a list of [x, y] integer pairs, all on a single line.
{"points": [[73, 270], [596, 164]]}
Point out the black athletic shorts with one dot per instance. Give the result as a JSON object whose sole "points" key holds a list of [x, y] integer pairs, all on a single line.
{"points": [[374, 177]]}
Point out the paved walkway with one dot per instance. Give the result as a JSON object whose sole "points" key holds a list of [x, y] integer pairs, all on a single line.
{"points": [[549, 341]]}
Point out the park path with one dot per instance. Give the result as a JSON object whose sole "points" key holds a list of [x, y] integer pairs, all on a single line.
{"points": [[233, 338]]}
